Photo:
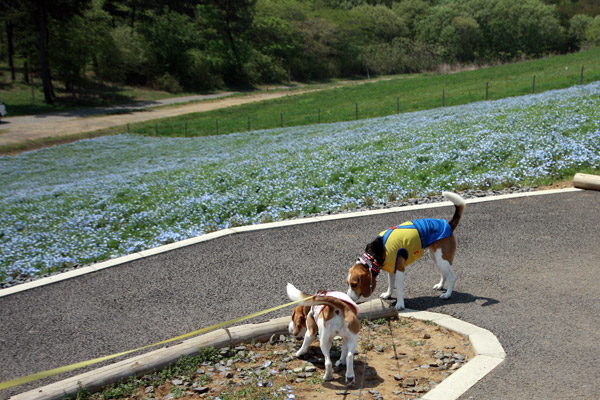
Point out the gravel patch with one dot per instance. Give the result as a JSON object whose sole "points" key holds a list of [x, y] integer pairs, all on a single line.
{"points": [[395, 358]]}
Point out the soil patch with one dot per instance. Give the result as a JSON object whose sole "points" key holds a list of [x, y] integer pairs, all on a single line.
{"points": [[557, 185], [405, 359]]}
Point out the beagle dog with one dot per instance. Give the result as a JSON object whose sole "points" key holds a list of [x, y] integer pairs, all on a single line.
{"points": [[330, 314], [401, 245]]}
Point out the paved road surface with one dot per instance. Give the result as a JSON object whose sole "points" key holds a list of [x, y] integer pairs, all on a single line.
{"points": [[527, 270]]}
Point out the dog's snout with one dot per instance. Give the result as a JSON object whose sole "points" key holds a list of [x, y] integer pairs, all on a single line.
{"points": [[352, 294]]}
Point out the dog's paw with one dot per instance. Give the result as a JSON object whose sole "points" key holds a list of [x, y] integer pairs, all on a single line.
{"points": [[445, 296], [328, 377], [300, 353], [438, 286], [399, 305], [385, 295], [350, 381]]}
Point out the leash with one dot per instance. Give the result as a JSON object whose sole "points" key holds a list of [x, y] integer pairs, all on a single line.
{"points": [[71, 367], [394, 347], [362, 380]]}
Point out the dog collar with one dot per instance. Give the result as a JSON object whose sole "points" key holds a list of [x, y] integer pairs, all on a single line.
{"points": [[369, 261]]}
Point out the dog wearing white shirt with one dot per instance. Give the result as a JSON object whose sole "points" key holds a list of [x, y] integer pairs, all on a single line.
{"points": [[329, 314]]}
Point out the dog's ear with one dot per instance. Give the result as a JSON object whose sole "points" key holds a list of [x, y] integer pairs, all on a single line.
{"points": [[299, 318], [376, 249], [368, 285]]}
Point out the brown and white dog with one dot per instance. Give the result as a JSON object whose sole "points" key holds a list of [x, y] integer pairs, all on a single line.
{"points": [[399, 246], [329, 314]]}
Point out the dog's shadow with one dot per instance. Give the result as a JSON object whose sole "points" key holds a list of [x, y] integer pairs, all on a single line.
{"points": [[427, 302], [365, 376], [371, 378]]}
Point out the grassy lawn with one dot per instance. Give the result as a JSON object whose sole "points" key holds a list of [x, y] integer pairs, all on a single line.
{"points": [[386, 96]]}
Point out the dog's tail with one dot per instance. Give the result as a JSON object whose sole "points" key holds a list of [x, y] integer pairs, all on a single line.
{"points": [[295, 294], [459, 204], [310, 300]]}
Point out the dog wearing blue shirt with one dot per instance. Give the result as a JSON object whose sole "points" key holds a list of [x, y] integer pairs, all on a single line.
{"points": [[397, 247]]}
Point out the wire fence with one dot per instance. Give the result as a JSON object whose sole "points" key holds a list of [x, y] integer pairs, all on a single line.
{"points": [[229, 122]]}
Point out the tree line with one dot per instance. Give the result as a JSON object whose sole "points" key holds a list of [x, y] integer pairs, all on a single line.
{"points": [[207, 44]]}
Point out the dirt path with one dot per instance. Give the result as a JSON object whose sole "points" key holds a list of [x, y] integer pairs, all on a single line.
{"points": [[18, 130]]}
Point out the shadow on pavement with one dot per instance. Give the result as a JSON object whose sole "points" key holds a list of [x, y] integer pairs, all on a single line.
{"points": [[426, 302]]}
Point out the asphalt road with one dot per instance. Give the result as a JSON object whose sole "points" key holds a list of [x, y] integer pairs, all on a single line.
{"points": [[528, 270]]}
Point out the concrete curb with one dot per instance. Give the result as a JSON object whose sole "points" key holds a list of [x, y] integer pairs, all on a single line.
{"points": [[160, 358], [488, 350], [489, 353], [226, 232]]}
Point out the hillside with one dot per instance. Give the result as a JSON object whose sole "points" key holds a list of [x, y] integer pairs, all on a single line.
{"points": [[100, 198]]}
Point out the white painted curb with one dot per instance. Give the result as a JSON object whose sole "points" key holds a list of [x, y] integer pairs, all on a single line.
{"points": [[489, 353], [225, 232], [488, 350], [155, 360]]}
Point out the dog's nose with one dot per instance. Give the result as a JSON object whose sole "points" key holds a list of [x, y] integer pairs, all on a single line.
{"points": [[352, 295]]}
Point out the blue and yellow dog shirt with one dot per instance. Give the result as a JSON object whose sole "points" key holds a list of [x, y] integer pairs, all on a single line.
{"points": [[410, 239]]}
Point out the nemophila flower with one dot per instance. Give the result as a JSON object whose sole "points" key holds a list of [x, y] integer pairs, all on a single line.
{"points": [[105, 197]]}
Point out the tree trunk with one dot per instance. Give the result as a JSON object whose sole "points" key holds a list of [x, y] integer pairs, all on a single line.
{"points": [[234, 50], [45, 69], [132, 21], [26, 71], [11, 50]]}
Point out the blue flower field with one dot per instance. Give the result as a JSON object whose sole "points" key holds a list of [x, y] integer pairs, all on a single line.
{"points": [[101, 198]]}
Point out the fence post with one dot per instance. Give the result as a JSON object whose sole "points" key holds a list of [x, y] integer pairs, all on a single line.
{"points": [[533, 86], [486, 90], [581, 76], [397, 105], [356, 111], [217, 126]]}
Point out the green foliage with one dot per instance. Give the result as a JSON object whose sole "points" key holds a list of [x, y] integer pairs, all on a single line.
{"points": [[202, 72], [578, 27], [84, 40], [411, 13], [168, 83], [168, 38], [375, 24], [127, 56], [228, 24], [512, 28], [276, 46], [179, 45], [592, 33]]}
